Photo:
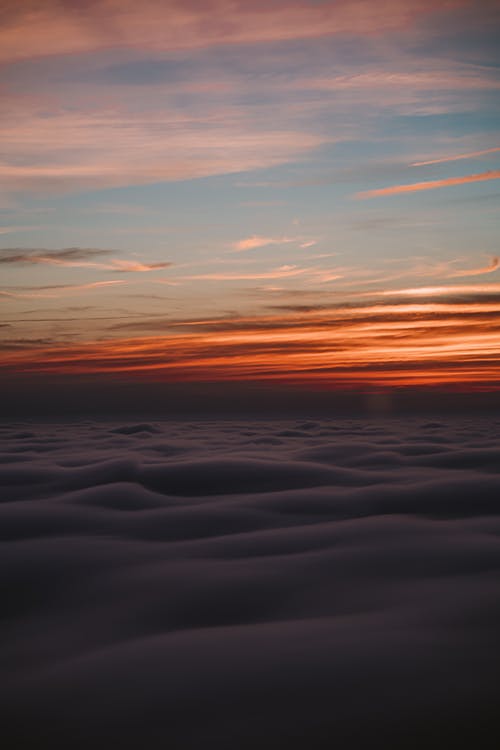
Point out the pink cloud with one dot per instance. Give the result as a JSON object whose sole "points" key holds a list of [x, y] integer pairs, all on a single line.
{"points": [[131, 266], [69, 150], [38, 29]]}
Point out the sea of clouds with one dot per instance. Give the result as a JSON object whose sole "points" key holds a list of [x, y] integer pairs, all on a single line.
{"points": [[251, 584]]}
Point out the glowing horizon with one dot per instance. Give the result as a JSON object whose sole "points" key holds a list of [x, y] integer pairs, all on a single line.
{"points": [[373, 345]]}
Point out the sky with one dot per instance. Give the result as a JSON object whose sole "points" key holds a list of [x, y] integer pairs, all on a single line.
{"points": [[300, 193]]}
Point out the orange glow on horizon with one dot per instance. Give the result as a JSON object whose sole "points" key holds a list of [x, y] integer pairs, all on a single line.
{"points": [[389, 346]]}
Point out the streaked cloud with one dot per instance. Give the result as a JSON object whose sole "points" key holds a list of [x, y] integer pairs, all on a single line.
{"points": [[309, 274], [76, 257], [492, 266], [282, 272], [61, 29], [425, 291], [131, 266], [68, 255], [92, 149], [424, 343], [55, 290], [492, 174], [454, 77], [456, 157]]}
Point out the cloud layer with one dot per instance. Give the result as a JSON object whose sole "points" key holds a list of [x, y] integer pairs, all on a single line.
{"points": [[189, 583], [57, 28]]}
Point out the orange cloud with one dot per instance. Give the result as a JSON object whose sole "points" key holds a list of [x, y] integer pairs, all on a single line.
{"points": [[493, 266], [253, 242], [282, 272], [492, 174], [469, 289], [391, 345]]}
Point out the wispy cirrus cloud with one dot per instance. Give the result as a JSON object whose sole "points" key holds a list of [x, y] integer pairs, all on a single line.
{"points": [[389, 80], [55, 28], [282, 272], [90, 149], [75, 257], [66, 256], [256, 241], [131, 266], [18, 228], [492, 174], [441, 290], [456, 157], [54, 290], [492, 266], [309, 274]]}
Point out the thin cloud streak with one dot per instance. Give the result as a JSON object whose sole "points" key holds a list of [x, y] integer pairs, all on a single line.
{"points": [[44, 292], [255, 241], [456, 157], [310, 274], [492, 174], [493, 266], [19, 255], [283, 272], [75, 257], [441, 290]]}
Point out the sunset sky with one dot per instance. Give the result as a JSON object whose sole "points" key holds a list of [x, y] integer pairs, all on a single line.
{"points": [[301, 192]]}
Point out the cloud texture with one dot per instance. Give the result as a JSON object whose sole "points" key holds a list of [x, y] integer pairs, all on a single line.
{"points": [[257, 583]]}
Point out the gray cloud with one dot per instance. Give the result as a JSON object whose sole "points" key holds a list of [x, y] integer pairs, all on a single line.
{"points": [[19, 255], [77, 257]]}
